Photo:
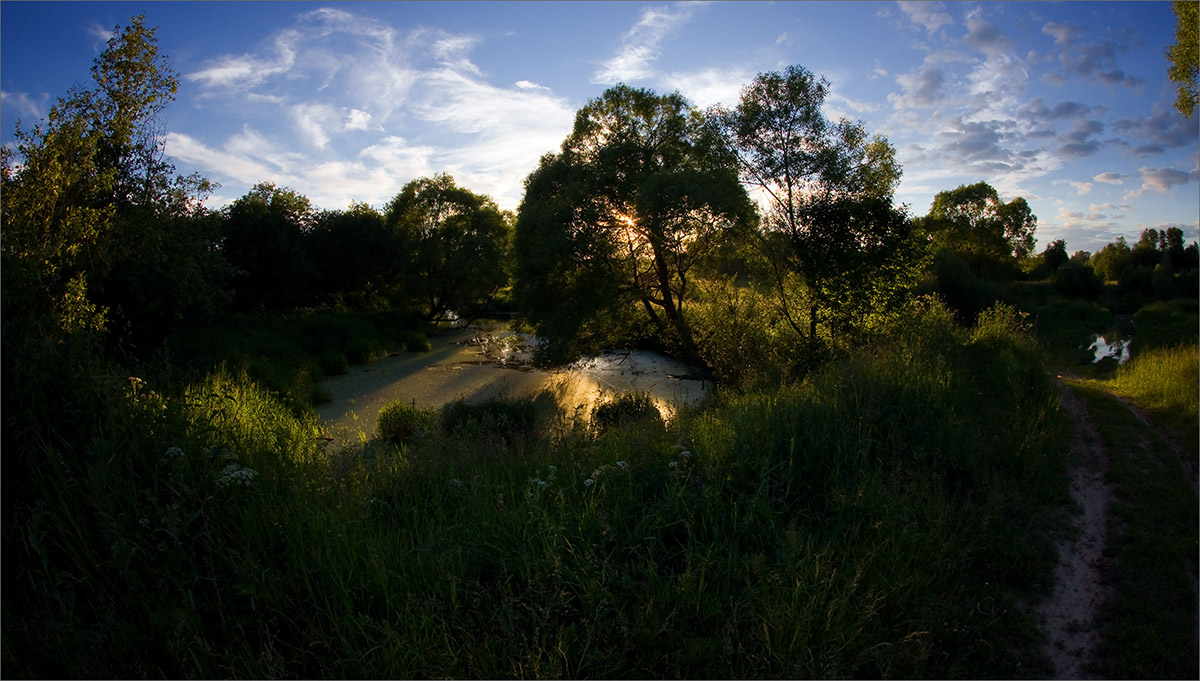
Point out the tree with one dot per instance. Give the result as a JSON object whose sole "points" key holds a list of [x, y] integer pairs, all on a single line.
{"points": [[456, 244], [1184, 56], [612, 226], [972, 221], [1112, 260], [1055, 255], [265, 240], [93, 215], [358, 261], [837, 243]]}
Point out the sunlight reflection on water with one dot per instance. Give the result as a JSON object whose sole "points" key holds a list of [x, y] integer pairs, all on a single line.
{"points": [[1118, 349]]}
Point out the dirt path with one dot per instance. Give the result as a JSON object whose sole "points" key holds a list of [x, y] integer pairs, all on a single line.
{"points": [[1069, 615]]}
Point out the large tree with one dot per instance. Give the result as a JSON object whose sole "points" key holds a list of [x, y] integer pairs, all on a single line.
{"points": [[612, 226], [95, 220], [990, 235], [265, 239], [455, 243], [838, 245]]}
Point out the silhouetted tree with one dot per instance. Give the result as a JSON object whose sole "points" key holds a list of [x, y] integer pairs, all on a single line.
{"points": [[265, 240], [611, 226], [455, 245]]}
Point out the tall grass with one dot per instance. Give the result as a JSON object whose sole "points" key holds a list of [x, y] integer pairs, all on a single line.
{"points": [[1165, 380], [883, 518]]}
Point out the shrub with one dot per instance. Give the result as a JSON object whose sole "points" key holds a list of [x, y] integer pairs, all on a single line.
{"points": [[417, 342], [399, 420], [503, 416], [361, 350], [624, 409], [333, 363]]}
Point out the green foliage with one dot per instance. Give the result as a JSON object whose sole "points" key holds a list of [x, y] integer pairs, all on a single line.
{"points": [[1165, 379], [399, 421], [836, 244], [264, 239], [1077, 280], [991, 236], [456, 244], [497, 417], [961, 288], [1183, 55], [611, 227], [1162, 324], [417, 342], [333, 363], [625, 409], [96, 225], [1111, 261]]}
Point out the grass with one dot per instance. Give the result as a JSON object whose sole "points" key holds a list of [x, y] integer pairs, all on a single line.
{"points": [[886, 517], [1149, 626], [1166, 383]]}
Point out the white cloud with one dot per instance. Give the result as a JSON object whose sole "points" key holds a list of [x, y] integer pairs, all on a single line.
{"points": [[927, 14], [640, 45], [710, 86], [1081, 188], [26, 105], [1111, 178]]}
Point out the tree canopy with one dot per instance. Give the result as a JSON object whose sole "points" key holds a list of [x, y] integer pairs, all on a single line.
{"points": [[837, 243], [1183, 56], [455, 243], [990, 235], [612, 226]]}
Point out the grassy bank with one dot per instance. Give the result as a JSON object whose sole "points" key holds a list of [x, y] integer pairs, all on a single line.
{"points": [[883, 518]]}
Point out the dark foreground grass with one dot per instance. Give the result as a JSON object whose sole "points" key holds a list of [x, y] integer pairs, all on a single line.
{"points": [[884, 518], [1149, 628]]}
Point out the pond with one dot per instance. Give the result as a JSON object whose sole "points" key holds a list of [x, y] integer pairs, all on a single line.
{"points": [[484, 361]]}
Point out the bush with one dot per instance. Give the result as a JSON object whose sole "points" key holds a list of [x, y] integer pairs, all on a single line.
{"points": [[624, 409], [363, 350], [417, 342], [399, 421], [503, 416], [333, 363]]}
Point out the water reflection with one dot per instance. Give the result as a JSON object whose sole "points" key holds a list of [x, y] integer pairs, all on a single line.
{"points": [[1101, 348], [486, 361]]}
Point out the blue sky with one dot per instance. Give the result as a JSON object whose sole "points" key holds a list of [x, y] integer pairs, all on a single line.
{"points": [[1066, 104]]}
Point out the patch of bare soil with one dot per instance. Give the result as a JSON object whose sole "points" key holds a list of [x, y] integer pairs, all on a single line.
{"points": [[1069, 616]]}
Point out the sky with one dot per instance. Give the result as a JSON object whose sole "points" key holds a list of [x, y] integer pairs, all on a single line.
{"points": [[1065, 104]]}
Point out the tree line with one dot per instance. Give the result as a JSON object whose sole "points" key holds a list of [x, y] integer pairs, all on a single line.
{"points": [[654, 223]]}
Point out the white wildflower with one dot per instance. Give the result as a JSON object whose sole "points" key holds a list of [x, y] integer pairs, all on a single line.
{"points": [[234, 474], [589, 482], [174, 453], [623, 465], [673, 464]]}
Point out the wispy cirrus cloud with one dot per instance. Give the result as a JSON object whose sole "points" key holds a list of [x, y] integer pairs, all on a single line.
{"points": [[337, 86], [641, 45]]}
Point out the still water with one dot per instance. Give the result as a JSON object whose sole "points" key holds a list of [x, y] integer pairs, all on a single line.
{"points": [[484, 361]]}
